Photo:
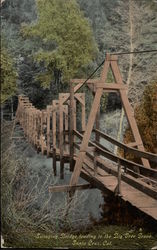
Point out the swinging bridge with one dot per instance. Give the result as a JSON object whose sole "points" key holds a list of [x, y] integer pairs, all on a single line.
{"points": [[53, 131]]}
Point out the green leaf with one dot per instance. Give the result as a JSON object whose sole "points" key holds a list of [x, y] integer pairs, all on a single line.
{"points": [[8, 76], [66, 35]]}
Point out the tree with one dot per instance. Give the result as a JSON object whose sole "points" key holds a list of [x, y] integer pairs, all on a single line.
{"points": [[67, 40], [8, 76], [146, 118]]}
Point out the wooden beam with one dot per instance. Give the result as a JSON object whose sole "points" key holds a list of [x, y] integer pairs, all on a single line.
{"points": [[132, 144], [150, 156], [68, 188], [111, 86], [83, 116], [81, 81], [54, 124], [71, 135], [54, 161], [48, 131], [79, 97], [61, 138], [76, 88], [74, 107], [86, 137], [66, 137]]}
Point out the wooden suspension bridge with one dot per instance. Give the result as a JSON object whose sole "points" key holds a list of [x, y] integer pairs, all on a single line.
{"points": [[53, 131]]}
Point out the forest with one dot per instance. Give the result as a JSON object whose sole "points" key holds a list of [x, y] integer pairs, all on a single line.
{"points": [[44, 44]]}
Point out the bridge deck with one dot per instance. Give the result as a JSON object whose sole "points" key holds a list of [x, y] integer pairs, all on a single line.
{"points": [[107, 182]]}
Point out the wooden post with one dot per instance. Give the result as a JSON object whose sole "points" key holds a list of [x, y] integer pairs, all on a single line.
{"points": [[31, 128], [74, 108], [38, 127], [95, 164], [42, 134], [71, 134], [36, 122], [28, 124], [97, 138], [66, 129], [125, 170], [48, 131], [54, 136], [119, 178], [24, 118], [61, 141], [83, 114], [32, 125], [54, 162], [35, 128]]}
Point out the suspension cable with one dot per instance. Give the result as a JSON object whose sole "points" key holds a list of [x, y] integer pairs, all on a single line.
{"points": [[133, 52], [117, 53]]}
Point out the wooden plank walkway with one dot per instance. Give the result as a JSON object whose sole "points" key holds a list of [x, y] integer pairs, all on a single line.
{"points": [[107, 183]]}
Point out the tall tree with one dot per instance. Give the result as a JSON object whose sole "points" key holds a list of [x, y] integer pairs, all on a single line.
{"points": [[8, 76], [67, 40], [146, 117]]}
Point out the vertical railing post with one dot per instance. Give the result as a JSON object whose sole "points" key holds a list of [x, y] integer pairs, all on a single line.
{"points": [[125, 170], [48, 131], [83, 114], [42, 133], [61, 139], [71, 134], [66, 140], [54, 136], [119, 178]]}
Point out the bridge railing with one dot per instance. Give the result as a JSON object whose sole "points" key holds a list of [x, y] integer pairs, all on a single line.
{"points": [[114, 167], [136, 152], [124, 162]]}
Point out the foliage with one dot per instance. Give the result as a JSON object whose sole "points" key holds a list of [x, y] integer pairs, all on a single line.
{"points": [[27, 206], [8, 76], [66, 37], [14, 13], [146, 117]]}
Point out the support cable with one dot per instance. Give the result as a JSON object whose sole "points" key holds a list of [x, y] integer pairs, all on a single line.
{"points": [[118, 53]]}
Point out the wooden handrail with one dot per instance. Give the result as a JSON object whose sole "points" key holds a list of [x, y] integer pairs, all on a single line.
{"points": [[137, 183], [126, 163], [141, 154], [76, 145]]}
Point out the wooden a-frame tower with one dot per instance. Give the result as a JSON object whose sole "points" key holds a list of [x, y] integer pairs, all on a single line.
{"points": [[98, 87]]}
